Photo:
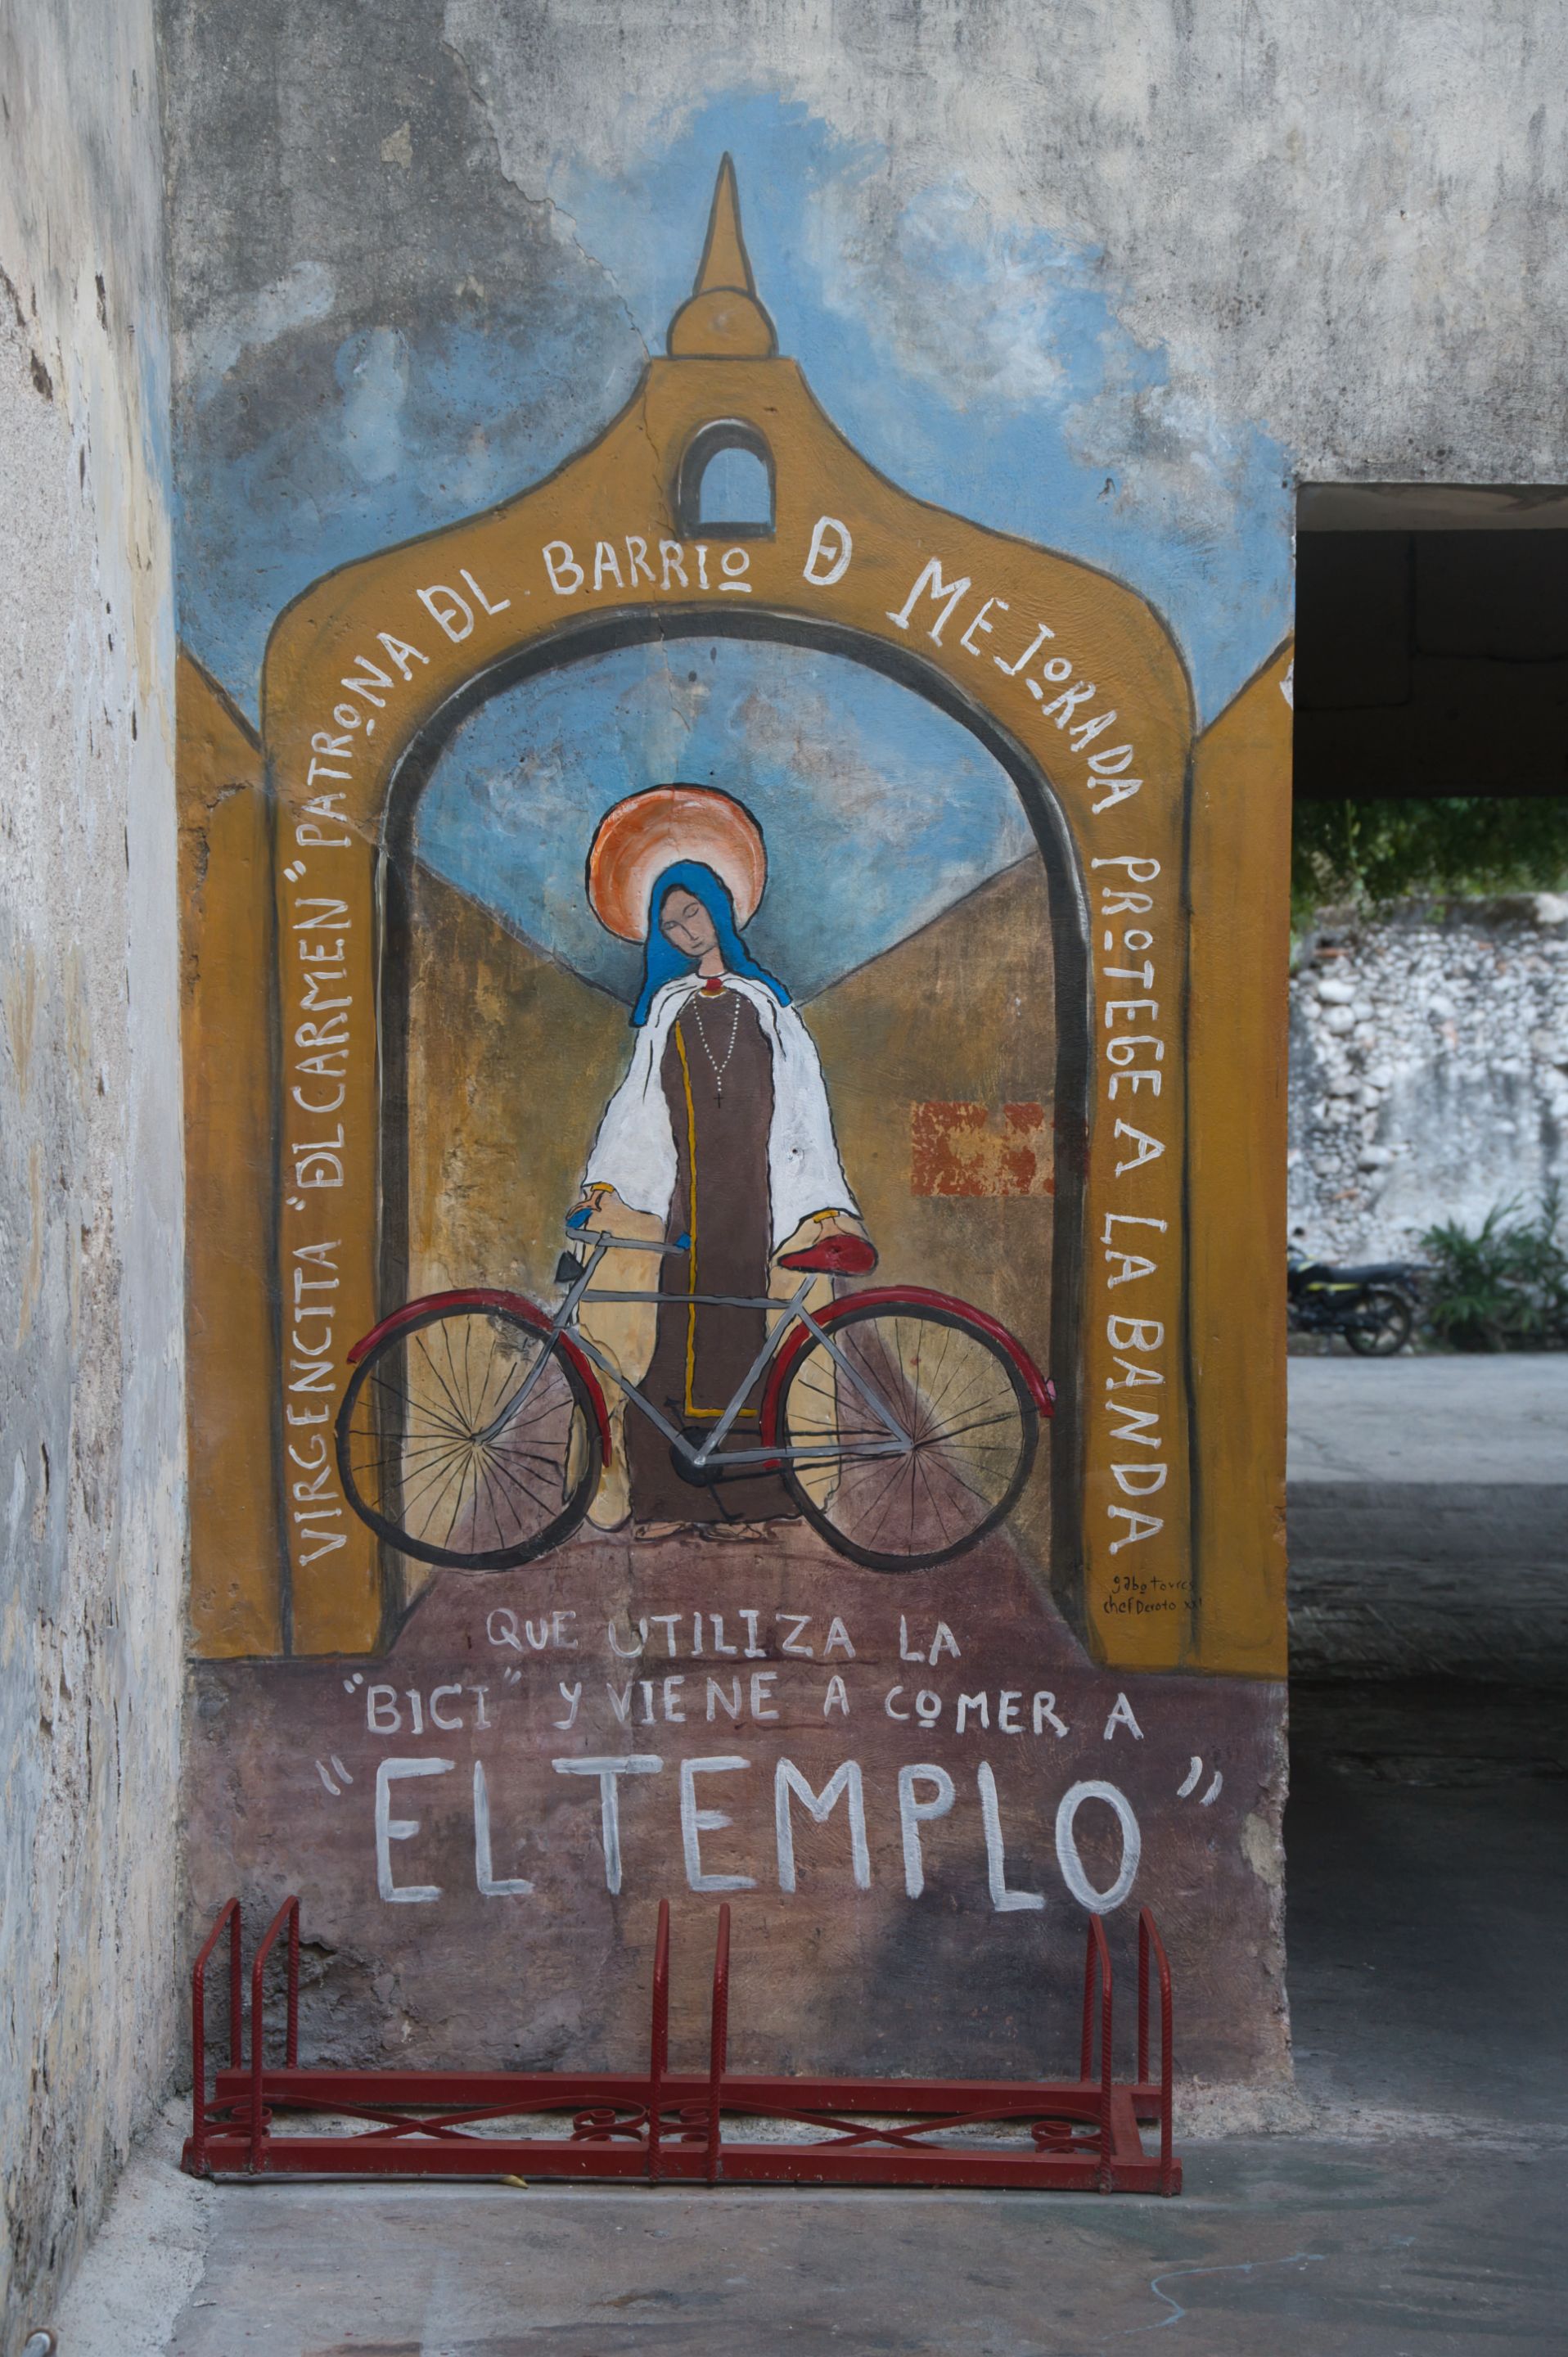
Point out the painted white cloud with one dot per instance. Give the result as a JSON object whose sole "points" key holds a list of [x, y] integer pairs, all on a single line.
{"points": [[209, 350], [373, 398], [1162, 450], [965, 298]]}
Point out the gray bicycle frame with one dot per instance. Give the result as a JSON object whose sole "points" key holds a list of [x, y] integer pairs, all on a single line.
{"points": [[789, 1312]]}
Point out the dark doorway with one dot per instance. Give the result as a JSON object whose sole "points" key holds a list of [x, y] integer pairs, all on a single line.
{"points": [[1431, 641], [1429, 1683]]}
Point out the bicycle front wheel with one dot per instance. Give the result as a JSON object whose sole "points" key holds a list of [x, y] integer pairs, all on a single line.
{"points": [[469, 1438], [910, 1437]]}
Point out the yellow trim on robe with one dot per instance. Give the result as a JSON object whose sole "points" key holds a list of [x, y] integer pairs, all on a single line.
{"points": [[709, 1415]]}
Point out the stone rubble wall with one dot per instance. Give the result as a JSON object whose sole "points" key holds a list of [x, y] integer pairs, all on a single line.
{"points": [[1429, 1070]]}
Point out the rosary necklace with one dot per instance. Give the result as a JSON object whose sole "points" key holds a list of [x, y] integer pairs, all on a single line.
{"points": [[719, 1069]]}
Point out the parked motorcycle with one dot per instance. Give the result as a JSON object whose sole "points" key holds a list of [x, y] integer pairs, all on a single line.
{"points": [[1373, 1306]]}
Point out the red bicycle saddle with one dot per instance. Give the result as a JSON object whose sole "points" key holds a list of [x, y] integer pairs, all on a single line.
{"points": [[835, 1256]]}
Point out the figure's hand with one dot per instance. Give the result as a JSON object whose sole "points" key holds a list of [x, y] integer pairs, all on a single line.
{"points": [[599, 1201]]}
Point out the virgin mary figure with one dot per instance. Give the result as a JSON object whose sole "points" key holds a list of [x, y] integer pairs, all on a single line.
{"points": [[719, 1141]]}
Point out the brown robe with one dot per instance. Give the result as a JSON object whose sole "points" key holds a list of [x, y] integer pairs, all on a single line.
{"points": [[718, 1077]]}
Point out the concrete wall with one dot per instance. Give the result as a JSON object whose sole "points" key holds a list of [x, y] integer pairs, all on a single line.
{"points": [[1323, 221], [91, 1467], [1429, 1071], [1111, 279]]}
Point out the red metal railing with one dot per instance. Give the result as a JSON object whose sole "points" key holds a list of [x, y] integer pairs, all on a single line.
{"points": [[287, 1913], [719, 2045], [659, 2042], [228, 1915], [659, 2126], [1097, 1967], [1151, 1947]]}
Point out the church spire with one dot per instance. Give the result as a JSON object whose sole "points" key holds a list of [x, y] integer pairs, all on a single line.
{"points": [[726, 262], [722, 319]]}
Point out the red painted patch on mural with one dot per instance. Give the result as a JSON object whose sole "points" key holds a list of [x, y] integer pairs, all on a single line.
{"points": [[971, 1150]]}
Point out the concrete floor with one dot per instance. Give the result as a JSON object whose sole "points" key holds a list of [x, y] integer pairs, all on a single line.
{"points": [[1467, 1419], [1427, 1841], [1412, 2201], [1429, 1518], [1283, 2249]]}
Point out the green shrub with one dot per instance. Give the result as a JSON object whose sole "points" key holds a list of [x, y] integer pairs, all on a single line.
{"points": [[1505, 1287], [1366, 852]]}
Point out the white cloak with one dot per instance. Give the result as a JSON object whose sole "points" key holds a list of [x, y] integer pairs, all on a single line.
{"points": [[635, 1149]]}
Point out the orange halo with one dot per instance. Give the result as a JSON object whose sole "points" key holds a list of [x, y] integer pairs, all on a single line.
{"points": [[639, 838]]}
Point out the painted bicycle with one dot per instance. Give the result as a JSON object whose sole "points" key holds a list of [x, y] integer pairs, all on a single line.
{"points": [[473, 1432]]}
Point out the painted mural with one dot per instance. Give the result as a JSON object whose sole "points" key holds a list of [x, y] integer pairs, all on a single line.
{"points": [[735, 1091]]}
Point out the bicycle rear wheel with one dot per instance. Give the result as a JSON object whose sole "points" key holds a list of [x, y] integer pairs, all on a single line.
{"points": [[920, 1431], [469, 1438]]}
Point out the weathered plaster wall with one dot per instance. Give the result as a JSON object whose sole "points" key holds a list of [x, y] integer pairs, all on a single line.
{"points": [[1111, 279], [91, 1459], [1429, 1071], [1214, 250], [1326, 216]]}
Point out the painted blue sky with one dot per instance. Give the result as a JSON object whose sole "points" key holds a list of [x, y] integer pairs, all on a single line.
{"points": [[979, 362], [878, 812]]}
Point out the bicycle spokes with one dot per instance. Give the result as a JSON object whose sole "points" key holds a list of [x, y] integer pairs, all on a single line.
{"points": [[471, 1430], [467, 1438], [966, 1424]]}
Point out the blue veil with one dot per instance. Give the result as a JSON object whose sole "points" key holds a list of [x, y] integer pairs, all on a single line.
{"points": [[663, 962]]}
